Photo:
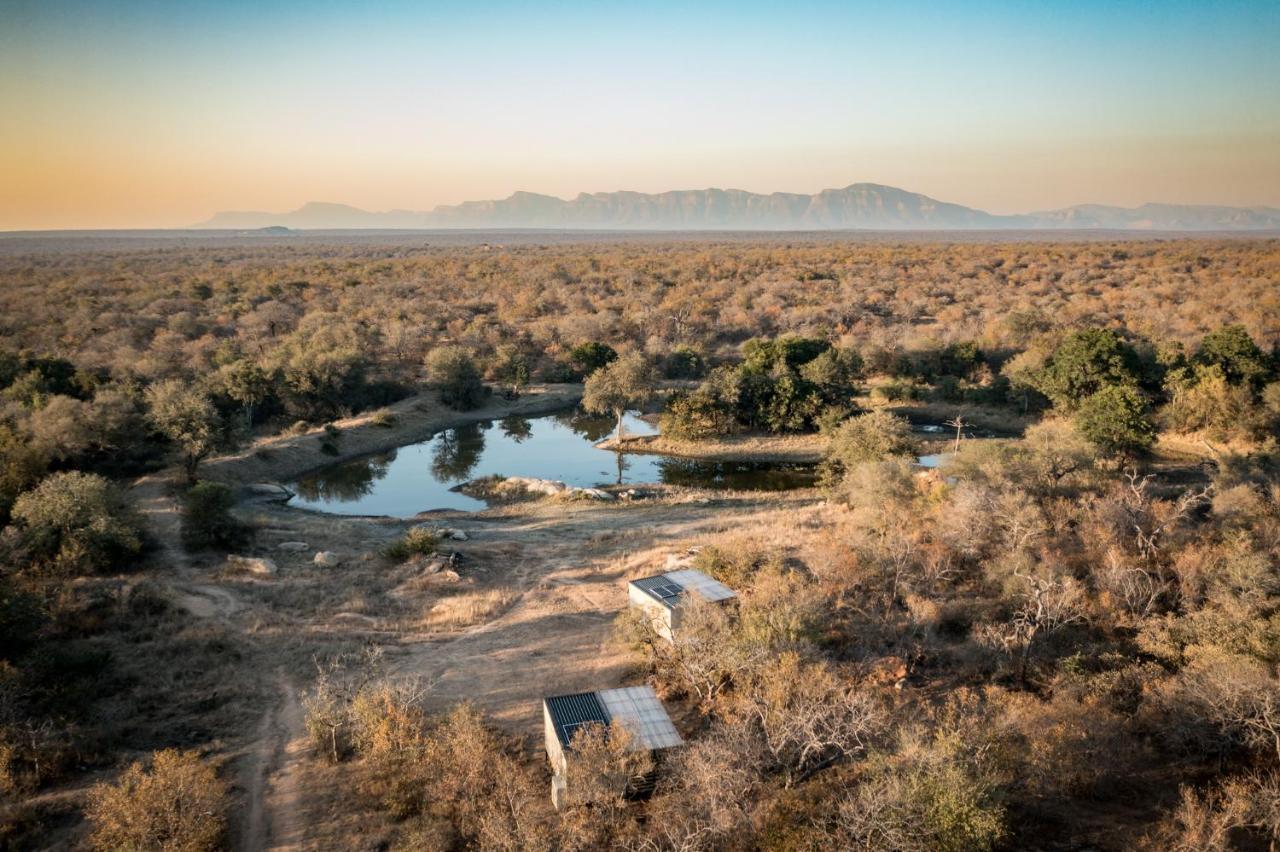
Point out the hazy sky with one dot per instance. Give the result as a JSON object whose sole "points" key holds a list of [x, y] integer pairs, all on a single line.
{"points": [[158, 114]]}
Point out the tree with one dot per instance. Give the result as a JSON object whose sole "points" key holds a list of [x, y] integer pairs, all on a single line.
{"points": [[591, 356], [207, 520], [454, 374], [808, 717], [1115, 420], [872, 437], [185, 415], [1085, 363], [21, 466], [625, 383], [178, 804], [78, 522], [512, 366], [1232, 349], [246, 383]]}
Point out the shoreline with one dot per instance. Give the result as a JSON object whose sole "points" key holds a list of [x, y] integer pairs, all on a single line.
{"points": [[284, 457]]}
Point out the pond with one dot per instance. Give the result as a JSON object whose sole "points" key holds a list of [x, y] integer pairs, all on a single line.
{"points": [[419, 477]]}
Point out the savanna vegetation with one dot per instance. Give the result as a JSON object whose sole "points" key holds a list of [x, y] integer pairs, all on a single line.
{"points": [[1068, 633]]}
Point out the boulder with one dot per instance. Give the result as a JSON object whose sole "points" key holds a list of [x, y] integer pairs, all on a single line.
{"points": [[266, 492], [258, 565], [327, 559], [292, 546]]}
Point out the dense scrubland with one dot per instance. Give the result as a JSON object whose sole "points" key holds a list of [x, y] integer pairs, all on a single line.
{"points": [[1067, 636]]}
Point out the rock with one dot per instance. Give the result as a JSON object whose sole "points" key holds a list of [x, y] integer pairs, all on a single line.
{"points": [[292, 546], [266, 492], [457, 535], [450, 575], [327, 559], [259, 565], [591, 494]]}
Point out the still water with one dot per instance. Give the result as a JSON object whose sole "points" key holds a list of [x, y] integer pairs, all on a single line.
{"points": [[418, 477]]}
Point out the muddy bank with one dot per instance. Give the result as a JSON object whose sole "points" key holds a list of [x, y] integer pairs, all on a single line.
{"points": [[285, 457]]}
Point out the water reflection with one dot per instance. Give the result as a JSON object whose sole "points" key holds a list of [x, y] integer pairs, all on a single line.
{"points": [[741, 476], [457, 451], [418, 477], [518, 429], [345, 482]]}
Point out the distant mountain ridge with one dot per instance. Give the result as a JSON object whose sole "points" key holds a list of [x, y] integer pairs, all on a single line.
{"points": [[858, 206]]}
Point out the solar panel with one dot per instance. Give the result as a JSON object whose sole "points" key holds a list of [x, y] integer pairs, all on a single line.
{"points": [[661, 589], [570, 713]]}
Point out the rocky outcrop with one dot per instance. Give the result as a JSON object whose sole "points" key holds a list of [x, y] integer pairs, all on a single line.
{"points": [[525, 487]]}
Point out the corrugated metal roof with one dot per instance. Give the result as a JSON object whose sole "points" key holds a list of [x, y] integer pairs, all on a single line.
{"points": [[639, 710], [569, 713], [705, 587]]}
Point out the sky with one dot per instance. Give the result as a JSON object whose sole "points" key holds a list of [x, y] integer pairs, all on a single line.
{"points": [[158, 114]]}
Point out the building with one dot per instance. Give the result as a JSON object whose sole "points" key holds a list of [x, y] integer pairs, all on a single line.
{"points": [[635, 708], [660, 597]]}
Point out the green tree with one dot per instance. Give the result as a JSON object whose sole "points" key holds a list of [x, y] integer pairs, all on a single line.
{"points": [[1086, 362], [1233, 350], [207, 520], [872, 437], [245, 383], [512, 367], [1115, 420], [591, 356], [625, 383], [454, 374], [185, 415], [77, 523]]}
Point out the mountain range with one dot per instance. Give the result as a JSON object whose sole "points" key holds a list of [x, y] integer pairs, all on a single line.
{"points": [[858, 206]]}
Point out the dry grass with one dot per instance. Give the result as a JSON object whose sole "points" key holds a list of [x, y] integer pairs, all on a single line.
{"points": [[467, 609]]}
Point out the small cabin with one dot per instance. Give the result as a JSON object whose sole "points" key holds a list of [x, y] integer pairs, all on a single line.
{"points": [[636, 708], [660, 597]]}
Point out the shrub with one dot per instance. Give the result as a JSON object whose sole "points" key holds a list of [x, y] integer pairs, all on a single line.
{"points": [[416, 542], [874, 436], [1232, 350], [1115, 421], [684, 362], [78, 522], [591, 356], [455, 375], [1086, 362], [177, 804], [207, 520]]}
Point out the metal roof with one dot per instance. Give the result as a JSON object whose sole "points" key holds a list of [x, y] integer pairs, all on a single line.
{"points": [[667, 588], [661, 589], [636, 708], [640, 712], [569, 713]]}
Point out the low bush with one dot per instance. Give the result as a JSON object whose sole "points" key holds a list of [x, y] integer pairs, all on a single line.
{"points": [[178, 803], [207, 520], [416, 542]]}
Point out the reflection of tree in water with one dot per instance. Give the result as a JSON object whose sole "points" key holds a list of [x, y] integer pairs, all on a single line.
{"points": [[593, 427], [740, 476], [518, 429], [345, 482], [457, 451]]}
